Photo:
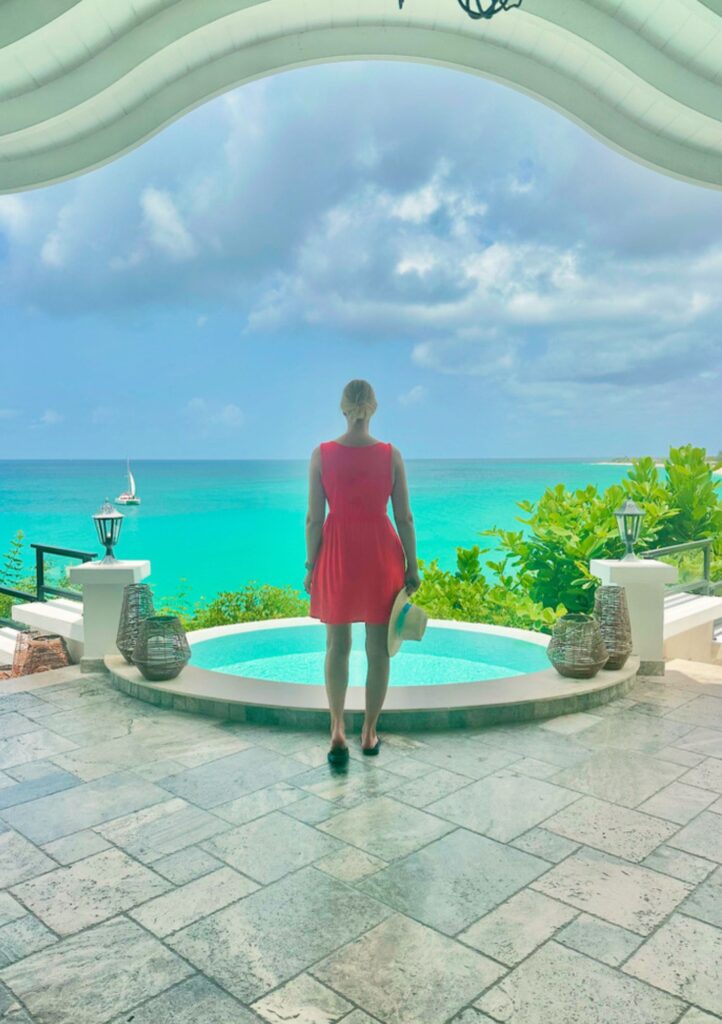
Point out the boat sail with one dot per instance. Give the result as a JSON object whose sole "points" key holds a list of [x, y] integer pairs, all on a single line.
{"points": [[129, 497]]}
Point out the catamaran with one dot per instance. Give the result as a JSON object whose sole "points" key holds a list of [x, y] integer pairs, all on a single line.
{"points": [[129, 497]]}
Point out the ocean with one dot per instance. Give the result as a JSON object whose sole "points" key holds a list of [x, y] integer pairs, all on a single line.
{"points": [[219, 524]]}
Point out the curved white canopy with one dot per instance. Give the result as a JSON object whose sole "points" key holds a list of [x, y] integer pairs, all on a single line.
{"points": [[82, 81]]}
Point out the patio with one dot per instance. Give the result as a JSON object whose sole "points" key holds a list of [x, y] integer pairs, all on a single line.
{"points": [[161, 867]]}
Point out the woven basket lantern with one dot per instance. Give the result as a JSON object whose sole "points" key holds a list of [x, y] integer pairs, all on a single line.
{"points": [[610, 608], [137, 606], [576, 648], [38, 652], [162, 650]]}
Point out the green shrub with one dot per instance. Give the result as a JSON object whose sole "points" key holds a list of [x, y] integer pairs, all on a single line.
{"points": [[466, 595], [566, 529], [253, 603]]}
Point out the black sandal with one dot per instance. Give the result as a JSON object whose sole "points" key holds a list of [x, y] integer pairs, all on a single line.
{"points": [[338, 755], [371, 751]]}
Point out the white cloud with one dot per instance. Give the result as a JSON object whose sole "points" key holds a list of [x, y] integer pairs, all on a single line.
{"points": [[51, 417], [415, 395], [102, 414], [416, 263], [165, 226], [14, 215], [52, 251], [201, 321], [416, 207], [208, 414]]}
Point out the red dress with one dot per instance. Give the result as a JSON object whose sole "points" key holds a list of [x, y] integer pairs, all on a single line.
{"points": [[361, 565]]}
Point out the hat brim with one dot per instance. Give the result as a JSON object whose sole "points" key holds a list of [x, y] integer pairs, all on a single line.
{"points": [[393, 640]]}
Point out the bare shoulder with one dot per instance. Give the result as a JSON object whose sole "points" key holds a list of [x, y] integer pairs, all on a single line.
{"points": [[398, 459], [316, 455]]}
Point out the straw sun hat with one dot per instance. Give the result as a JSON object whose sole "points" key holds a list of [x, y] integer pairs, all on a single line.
{"points": [[407, 622]]}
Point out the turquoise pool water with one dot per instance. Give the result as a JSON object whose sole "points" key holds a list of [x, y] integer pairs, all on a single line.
{"points": [[295, 654]]}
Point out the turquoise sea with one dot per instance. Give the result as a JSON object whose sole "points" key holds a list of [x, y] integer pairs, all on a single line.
{"points": [[220, 524]]}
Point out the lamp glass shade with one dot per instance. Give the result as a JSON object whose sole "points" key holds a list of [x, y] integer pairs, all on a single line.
{"points": [[629, 520], [108, 521]]}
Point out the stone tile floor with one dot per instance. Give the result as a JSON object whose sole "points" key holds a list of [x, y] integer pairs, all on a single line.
{"points": [[161, 868]]}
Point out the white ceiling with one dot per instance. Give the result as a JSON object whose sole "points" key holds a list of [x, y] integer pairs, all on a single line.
{"points": [[82, 81]]}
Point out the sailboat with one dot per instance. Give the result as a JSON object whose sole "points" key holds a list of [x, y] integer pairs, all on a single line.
{"points": [[129, 497]]}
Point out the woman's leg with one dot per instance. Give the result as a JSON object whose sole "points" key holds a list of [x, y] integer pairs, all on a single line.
{"points": [[377, 679], [338, 648]]}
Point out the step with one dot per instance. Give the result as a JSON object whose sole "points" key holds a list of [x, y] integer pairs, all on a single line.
{"points": [[683, 612], [52, 616], [7, 645]]}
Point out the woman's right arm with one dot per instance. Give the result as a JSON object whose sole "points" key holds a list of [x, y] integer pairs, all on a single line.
{"points": [[404, 521]]}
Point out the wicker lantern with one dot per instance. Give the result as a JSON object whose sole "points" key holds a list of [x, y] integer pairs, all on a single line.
{"points": [[610, 608], [161, 651], [108, 522], [137, 606], [629, 520], [576, 648]]}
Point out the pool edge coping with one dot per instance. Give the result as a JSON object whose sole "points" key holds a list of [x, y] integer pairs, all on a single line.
{"points": [[540, 694]]}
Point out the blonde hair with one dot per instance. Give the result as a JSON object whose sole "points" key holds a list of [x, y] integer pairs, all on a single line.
{"points": [[358, 400]]}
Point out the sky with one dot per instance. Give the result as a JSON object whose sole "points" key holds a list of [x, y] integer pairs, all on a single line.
{"points": [[511, 286]]}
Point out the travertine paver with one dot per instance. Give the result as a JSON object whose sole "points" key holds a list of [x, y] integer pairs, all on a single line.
{"points": [[386, 828], [614, 889], [625, 777], [560, 985], [270, 847], [599, 939], [454, 880], [611, 828], [707, 775], [703, 837], [564, 871], [22, 937], [518, 926], [94, 975], [303, 1001], [187, 903], [276, 932], [678, 803], [503, 805], [91, 890], [80, 844], [195, 1001], [684, 958], [19, 859], [83, 806], [679, 864], [705, 903], [403, 972], [162, 829]]}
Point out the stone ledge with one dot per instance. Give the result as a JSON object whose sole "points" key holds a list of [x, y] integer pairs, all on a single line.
{"points": [[538, 695]]}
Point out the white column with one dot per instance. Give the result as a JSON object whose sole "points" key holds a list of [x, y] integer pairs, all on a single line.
{"points": [[644, 581], [103, 584]]}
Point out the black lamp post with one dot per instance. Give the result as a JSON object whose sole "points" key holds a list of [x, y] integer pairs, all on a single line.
{"points": [[629, 520], [108, 522]]}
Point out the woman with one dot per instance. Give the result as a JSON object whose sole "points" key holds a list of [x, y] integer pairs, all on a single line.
{"points": [[357, 563]]}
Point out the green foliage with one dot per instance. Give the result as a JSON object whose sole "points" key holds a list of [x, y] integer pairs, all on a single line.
{"points": [[542, 571], [11, 573], [468, 596], [693, 490], [550, 561], [254, 603]]}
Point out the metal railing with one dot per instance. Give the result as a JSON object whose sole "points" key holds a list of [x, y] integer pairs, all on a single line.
{"points": [[43, 589], [705, 584]]}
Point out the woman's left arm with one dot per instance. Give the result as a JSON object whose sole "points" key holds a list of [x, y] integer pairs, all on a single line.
{"points": [[315, 515]]}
